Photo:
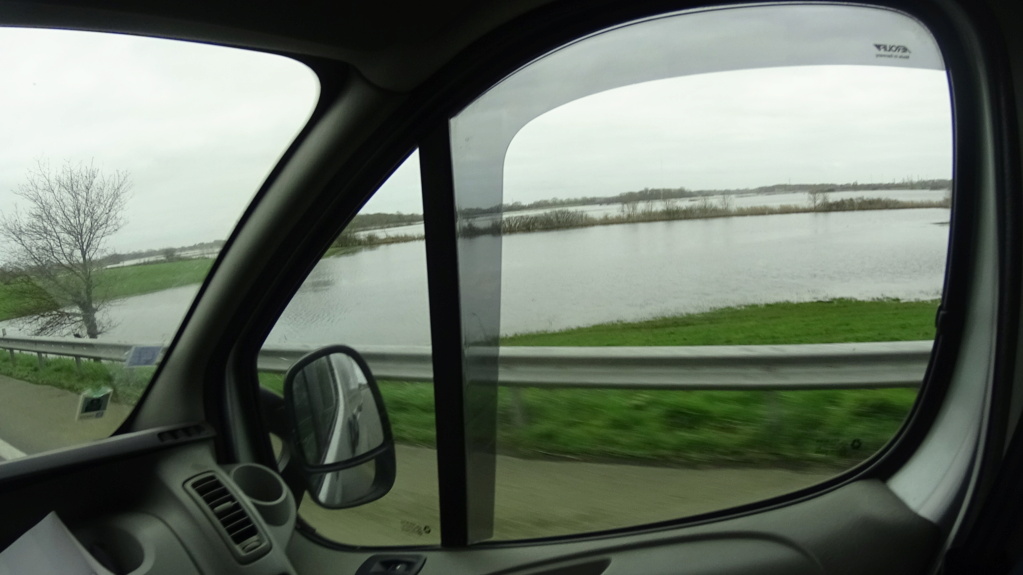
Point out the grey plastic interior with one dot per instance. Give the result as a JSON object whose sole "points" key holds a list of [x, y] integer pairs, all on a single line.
{"points": [[137, 514], [859, 528], [150, 525]]}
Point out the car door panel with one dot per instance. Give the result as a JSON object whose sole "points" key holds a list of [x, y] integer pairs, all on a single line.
{"points": [[151, 521], [828, 533]]}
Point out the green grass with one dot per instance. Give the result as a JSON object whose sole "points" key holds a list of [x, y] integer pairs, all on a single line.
{"points": [[272, 381], [835, 321], [62, 373], [148, 278], [835, 428], [790, 428], [9, 306], [12, 301], [114, 283], [830, 428]]}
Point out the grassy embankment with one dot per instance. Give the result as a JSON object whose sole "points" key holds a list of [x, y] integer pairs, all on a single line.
{"points": [[679, 427], [114, 283], [148, 278], [350, 241], [815, 428]]}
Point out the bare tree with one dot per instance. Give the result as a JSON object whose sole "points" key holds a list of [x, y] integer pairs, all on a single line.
{"points": [[58, 241], [726, 203], [818, 199], [630, 208]]}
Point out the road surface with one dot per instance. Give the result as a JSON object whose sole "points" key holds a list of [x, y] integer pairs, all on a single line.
{"points": [[35, 418]]}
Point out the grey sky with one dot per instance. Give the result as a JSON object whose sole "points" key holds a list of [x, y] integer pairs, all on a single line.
{"points": [[739, 129], [199, 128]]}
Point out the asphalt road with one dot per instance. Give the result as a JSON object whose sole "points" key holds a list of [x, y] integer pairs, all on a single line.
{"points": [[35, 418]]}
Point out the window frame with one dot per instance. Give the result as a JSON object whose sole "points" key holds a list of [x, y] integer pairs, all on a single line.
{"points": [[422, 120]]}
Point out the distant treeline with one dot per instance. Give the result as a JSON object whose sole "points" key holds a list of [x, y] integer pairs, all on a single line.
{"points": [[665, 194], [354, 239], [630, 213], [704, 208], [361, 222], [379, 220], [348, 238], [853, 187], [162, 253]]}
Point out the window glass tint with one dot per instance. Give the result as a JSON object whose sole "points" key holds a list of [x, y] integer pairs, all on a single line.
{"points": [[369, 292], [720, 269], [126, 163]]}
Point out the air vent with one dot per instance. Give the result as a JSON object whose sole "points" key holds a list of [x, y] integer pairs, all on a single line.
{"points": [[237, 526]]}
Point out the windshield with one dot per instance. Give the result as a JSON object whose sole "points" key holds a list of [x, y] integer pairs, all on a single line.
{"points": [[126, 163]]}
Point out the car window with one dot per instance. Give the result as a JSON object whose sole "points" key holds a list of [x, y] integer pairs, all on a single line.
{"points": [[718, 269], [127, 162], [369, 292], [682, 278]]}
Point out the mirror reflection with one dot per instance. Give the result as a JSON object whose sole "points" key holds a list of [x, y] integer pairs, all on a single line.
{"points": [[344, 487], [336, 415]]}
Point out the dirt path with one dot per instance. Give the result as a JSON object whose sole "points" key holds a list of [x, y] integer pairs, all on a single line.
{"points": [[534, 498], [545, 498], [36, 418]]}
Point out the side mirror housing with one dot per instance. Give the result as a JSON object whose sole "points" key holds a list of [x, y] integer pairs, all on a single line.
{"points": [[340, 433]]}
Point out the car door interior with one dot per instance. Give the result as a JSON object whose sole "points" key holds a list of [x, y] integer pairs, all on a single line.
{"points": [[153, 498]]}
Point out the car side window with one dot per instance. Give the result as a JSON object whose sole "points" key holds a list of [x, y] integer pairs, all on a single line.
{"points": [[126, 163], [682, 279], [369, 292], [719, 272]]}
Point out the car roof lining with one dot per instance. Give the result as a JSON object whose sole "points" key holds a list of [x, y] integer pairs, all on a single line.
{"points": [[395, 44]]}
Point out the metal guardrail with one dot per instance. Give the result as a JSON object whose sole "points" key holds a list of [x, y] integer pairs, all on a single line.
{"points": [[774, 367], [80, 348]]}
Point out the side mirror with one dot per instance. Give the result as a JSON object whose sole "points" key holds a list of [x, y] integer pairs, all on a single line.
{"points": [[340, 433]]}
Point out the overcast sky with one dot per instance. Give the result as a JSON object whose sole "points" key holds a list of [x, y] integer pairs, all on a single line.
{"points": [[741, 129], [198, 128]]}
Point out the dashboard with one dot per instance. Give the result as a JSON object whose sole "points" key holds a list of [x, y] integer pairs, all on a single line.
{"points": [[158, 504]]}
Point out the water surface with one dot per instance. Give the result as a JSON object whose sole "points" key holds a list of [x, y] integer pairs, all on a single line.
{"points": [[570, 278]]}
